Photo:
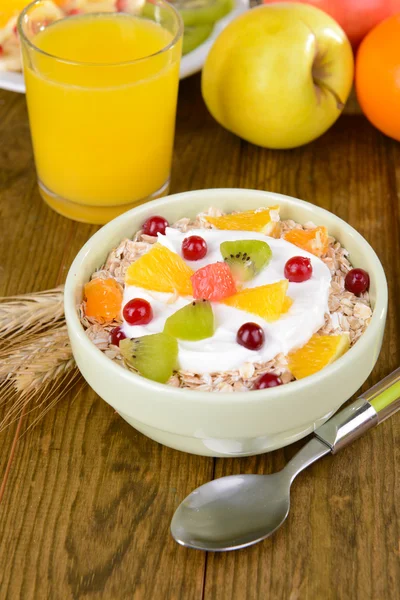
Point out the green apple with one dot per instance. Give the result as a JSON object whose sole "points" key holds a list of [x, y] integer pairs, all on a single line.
{"points": [[279, 75]]}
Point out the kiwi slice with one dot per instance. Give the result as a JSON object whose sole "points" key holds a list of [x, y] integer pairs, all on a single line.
{"points": [[246, 258], [154, 356], [201, 12], [195, 36], [192, 322]]}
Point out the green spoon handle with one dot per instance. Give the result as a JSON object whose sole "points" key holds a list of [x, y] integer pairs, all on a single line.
{"points": [[371, 408], [385, 396]]}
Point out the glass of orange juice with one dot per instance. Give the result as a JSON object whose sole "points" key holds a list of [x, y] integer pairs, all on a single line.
{"points": [[101, 90]]}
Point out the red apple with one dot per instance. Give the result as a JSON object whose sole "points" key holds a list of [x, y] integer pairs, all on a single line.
{"points": [[356, 17]]}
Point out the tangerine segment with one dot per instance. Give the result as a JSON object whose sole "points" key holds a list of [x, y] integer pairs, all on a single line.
{"points": [[320, 351], [266, 301], [264, 221], [314, 241], [160, 270], [103, 299]]}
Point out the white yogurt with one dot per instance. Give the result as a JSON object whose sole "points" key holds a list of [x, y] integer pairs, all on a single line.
{"points": [[221, 352]]}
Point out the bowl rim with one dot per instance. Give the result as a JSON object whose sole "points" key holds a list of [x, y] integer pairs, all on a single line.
{"points": [[195, 396]]}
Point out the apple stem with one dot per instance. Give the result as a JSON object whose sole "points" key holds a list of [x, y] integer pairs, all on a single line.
{"points": [[325, 86]]}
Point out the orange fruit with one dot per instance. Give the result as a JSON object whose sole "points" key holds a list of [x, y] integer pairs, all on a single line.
{"points": [[9, 9], [103, 299], [160, 270], [250, 220], [266, 301], [314, 241], [320, 351], [377, 76]]}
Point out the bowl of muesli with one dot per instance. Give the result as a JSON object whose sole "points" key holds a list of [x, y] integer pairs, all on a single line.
{"points": [[226, 322]]}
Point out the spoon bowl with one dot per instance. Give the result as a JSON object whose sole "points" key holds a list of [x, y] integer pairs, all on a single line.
{"points": [[232, 512]]}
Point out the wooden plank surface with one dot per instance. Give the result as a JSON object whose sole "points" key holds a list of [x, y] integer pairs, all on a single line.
{"points": [[87, 501]]}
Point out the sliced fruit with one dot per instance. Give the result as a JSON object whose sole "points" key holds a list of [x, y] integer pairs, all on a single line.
{"points": [[160, 270], [213, 282], [265, 221], [192, 322], [103, 299], [246, 258], [311, 240], [199, 12], [194, 36], [153, 356], [266, 301], [320, 351]]}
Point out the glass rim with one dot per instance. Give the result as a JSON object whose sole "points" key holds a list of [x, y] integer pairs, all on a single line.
{"points": [[170, 45]]}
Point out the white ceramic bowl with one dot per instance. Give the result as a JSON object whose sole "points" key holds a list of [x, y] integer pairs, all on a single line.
{"points": [[222, 424]]}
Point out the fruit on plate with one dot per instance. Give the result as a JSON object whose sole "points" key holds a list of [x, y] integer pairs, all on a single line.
{"points": [[279, 75], [314, 241], [195, 36], [9, 9], [320, 351], [103, 299], [193, 322], [154, 356], [246, 258], [202, 12], [377, 76], [264, 221], [160, 270], [357, 17], [213, 282], [269, 301]]}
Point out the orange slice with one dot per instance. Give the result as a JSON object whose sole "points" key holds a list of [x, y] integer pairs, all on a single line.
{"points": [[160, 270], [264, 221], [103, 299], [266, 301], [320, 351], [311, 240]]}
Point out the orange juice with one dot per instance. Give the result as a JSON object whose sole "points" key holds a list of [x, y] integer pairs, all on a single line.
{"points": [[102, 100]]}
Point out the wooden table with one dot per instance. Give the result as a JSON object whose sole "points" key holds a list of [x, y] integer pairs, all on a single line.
{"points": [[88, 500]]}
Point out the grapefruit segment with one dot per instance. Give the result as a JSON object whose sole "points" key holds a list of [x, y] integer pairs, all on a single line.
{"points": [[213, 282]]}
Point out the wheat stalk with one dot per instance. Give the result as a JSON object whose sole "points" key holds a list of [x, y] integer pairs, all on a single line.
{"points": [[22, 317], [37, 367]]}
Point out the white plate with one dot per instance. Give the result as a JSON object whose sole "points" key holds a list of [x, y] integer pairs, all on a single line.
{"points": [[191, 63]]}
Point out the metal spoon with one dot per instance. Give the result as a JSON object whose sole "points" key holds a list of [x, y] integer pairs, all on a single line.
{"points": [[240, 510]]}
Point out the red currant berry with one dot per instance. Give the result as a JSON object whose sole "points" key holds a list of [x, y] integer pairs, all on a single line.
{"points": [[155, 225], [74, 11], [117, 335], [267, 380], [138, 312], [251, 336], [194, 248], [298, 269], [357, 281]]}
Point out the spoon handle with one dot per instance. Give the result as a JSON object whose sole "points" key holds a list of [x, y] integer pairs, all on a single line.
{"points": [[371, 408]]}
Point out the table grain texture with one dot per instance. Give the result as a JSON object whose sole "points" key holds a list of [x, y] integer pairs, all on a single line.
{"points": [[87, 501]]}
